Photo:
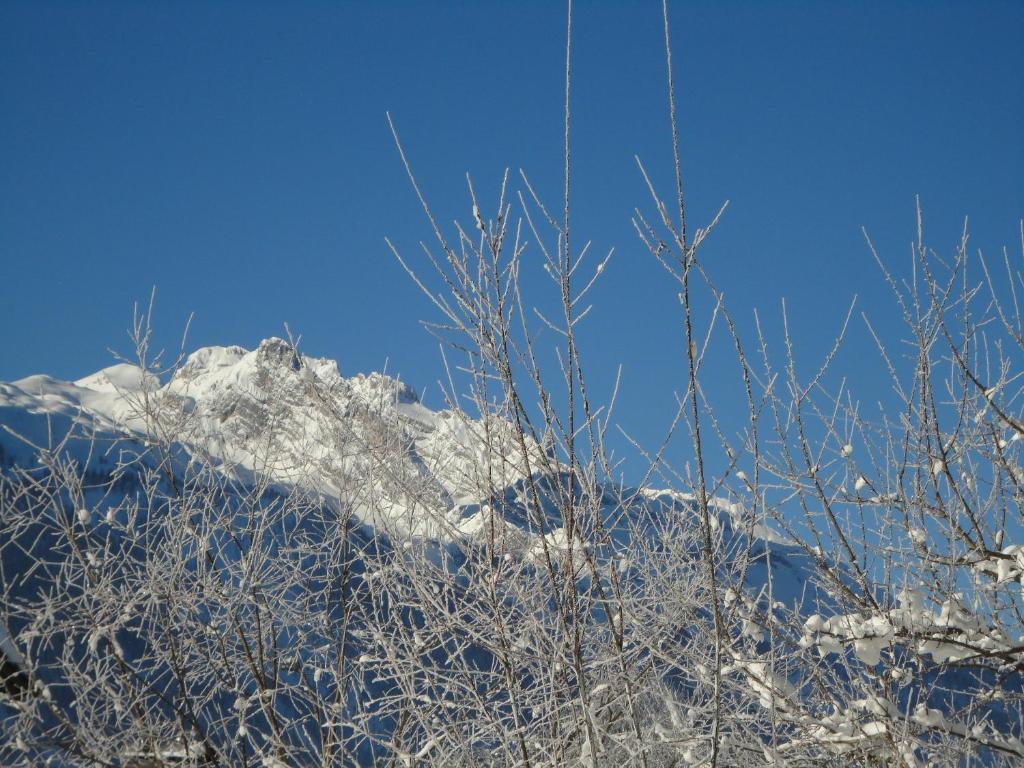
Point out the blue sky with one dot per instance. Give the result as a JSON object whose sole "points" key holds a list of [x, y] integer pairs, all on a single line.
{"points": [[236, 156]]}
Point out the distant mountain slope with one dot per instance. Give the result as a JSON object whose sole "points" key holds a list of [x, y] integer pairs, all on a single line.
{"points": [[292, 418]]}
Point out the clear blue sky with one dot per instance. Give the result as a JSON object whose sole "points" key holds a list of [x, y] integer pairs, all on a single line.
{"points": [[236, 156]]}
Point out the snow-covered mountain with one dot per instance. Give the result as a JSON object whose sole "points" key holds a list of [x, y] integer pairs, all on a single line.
{"points": [[284, 415], [365, 440]]}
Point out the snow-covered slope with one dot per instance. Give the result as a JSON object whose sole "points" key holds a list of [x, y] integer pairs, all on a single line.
{"points": [[365, 440]]}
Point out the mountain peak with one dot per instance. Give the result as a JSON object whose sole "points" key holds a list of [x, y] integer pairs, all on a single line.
{"points": [[277, 351]]}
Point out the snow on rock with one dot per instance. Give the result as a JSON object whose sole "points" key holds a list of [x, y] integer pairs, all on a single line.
{"points": [[118, 379], [401, 466], [296, 419]]}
